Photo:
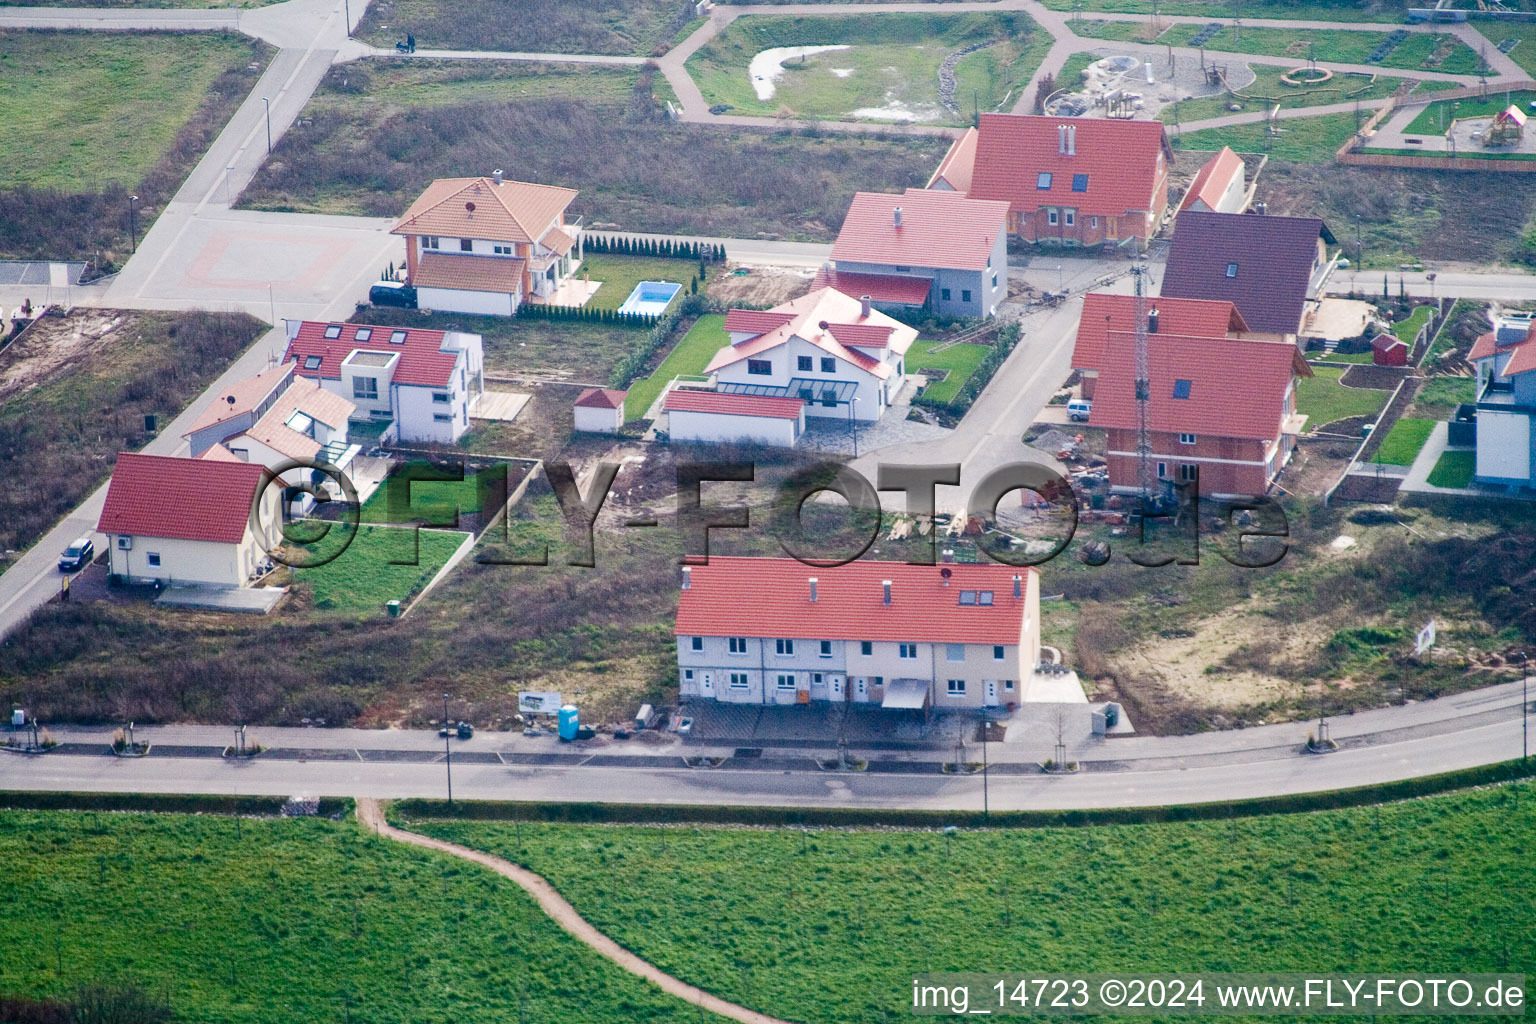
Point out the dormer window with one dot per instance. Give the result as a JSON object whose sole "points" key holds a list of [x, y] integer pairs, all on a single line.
{"points": [[333, 331]]}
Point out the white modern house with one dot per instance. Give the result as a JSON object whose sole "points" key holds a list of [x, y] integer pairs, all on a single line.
{"points": [[824, 355], [178, 520], [1505, 361], [905, 637], [487, 245], [421, 384]]}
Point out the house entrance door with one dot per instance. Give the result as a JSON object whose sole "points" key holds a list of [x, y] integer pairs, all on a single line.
{"points": [[707, 687], [989, 693]]}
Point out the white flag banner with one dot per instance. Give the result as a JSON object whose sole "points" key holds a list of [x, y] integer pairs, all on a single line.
{"points": [[1426, 638]]}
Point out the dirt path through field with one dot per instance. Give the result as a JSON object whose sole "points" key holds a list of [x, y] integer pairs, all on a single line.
{"points": [[371, 814]]}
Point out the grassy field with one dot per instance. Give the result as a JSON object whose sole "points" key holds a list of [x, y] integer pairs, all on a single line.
{"points": [[1421, 51], [1301, 139], [432, 502], [1267, 90], [620, 274], [1123, 31], [277, 920], [690, 355], [889, 72], [1325, 400], [858, 913], [1524, 52], [369, 150], [1437, 117], [1454, 469], [1369, 10], [92, 117], [363, 577], [639, 27], [1408, 330], [1440, 396], [960, 360], [61, 429], [1402, 445]]}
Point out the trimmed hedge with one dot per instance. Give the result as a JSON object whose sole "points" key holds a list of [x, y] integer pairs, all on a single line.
{"points": [[664, 248], [162, 803], [584, 314], [633, 366], [833, 817], [1007, 337]]}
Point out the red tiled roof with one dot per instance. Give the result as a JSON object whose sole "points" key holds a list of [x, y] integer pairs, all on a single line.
{"points": [[1522, 361], [186, 499], [806, 315], [726, 404], [1522, 349], [1236, 387], [938, 229], [1274, 257], [601, 398], [514, 211], [771, 597], [1483, 347], [863, 335], [958, 164], [1103, 313], [219, 453], [1213, 179], [1383, 342], [754, 321], [499, 274], [240, 397], [894, 288], [1119, 157], [422, 360]]}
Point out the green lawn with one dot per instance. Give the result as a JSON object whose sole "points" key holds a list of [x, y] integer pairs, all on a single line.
{"points": [[638, 27], [1524, 52], [620, 274], [689, 356], [362, 577], [273, 921], [960, 360], [1454, 469], [1311, 140], [1071, 74], [1401, 446], [1437, 117], [1421, 51], [1325, 400], [830, 925], [1342, 357], [1408, 329], [1440, 396], [1267, 90], [891, 64], [86, 111], [1372, 10], [432, 502]]}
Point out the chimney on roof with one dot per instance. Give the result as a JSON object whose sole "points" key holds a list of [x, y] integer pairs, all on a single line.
{"points": [[1061, 139], [812, 582], [1261, 208], [1071, 140], [1018, 585], [1152, 320], [896, 216], [687, 578], [863, 305], [496, 175], [949, 554], [886, 585]]}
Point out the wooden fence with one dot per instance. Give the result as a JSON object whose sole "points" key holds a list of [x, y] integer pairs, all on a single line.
{"points": [[1351, 152]]}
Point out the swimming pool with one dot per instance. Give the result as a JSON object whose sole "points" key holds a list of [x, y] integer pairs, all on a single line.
{"points": [[650, 297]]}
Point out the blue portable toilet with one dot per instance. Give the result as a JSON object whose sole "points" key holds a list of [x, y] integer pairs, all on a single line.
{"points": [[568, 722]]}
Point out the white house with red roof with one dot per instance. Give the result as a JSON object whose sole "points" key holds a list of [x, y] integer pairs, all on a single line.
{"points": [[924, 249], [422, 384], [1220, 408], [905, 637], [189, 521], [825, 354], [272, 418], [1505, 361], [487, 245], [1220, 186], [1071, 181], [599, 410]]}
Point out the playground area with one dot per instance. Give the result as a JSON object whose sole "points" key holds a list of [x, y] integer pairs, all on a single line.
{"points": [[1492, 127]]}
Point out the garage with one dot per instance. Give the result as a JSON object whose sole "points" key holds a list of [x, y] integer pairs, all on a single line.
{"points": [[719, 418]]}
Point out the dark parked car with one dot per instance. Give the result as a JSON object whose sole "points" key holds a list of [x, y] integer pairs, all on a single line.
{"points": [[78, 555], [392, 293]]}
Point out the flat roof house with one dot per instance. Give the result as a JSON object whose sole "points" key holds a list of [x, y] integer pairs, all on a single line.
{"points": [[825, 354], [1224, 408], [1272, 268], [905, 637], [487, 245], [178, 520], [422, 384], [957, 248], [1068, 181], [1505, 361], [1103, 313]]}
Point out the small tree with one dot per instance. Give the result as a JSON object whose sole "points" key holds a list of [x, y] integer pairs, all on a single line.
{"points": [[1043, 90]]}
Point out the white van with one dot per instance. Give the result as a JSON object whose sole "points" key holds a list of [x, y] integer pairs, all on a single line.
{"points": [[1079, 409]]}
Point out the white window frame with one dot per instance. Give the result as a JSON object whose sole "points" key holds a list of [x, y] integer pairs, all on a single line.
{"points": [[786, 681], [1051, 217], [1071, 218], [954, 687], [826, 649], [1187, 439], [739, 681], [907, 652], [999, 652], [737, 645], [784, 648], [370, 393]]}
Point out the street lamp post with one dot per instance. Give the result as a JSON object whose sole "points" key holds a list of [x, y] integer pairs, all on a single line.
{"points": [[347, 7], [447, 750], [1525, 709], [269, 124], [133, 222]]}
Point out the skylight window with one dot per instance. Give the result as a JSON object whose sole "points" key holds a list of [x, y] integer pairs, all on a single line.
{"points": [[1181, 389], [333, 331], [364, 333], [1231, 269], [397, 337], [311, 362], [1079, 183], [1043, 182], [984, 597], [967, 597]]}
